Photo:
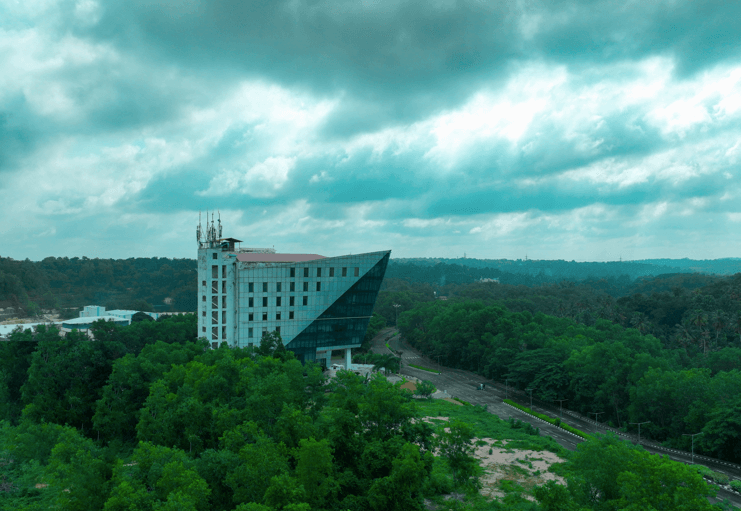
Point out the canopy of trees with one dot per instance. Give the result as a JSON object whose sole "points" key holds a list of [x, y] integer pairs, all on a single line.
{"points": [[602, 367], [61, 282]]}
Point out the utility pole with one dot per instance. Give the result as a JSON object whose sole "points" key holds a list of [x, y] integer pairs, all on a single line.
{"points": [[693, 444], [595, 415], [561, 403], [639, 429], [531, 397]]}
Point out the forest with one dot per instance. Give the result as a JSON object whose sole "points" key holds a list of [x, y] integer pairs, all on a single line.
{"points": [[162, 284], [62, 283], [670, 354], [147, 417]]}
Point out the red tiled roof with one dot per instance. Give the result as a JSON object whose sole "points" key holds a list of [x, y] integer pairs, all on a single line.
{"points": [[252, 257]]}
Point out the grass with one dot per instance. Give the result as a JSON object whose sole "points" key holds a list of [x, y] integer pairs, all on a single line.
{"points": [[487, 425], [424, 368]]}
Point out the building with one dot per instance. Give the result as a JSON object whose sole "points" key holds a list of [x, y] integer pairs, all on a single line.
{"points": [[84, 323], [96, 311], [317, 304]]}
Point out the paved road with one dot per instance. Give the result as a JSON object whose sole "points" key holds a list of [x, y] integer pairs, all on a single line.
{"points": [[462, 384]]}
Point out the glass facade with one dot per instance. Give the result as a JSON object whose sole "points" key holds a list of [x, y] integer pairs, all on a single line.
{"points": [[345, 321]]}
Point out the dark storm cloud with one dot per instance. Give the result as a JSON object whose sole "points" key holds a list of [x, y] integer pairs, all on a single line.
{"points": [[697, 35]]}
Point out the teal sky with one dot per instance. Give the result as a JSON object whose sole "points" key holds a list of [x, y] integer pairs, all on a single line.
{"points": [[587, 130]]}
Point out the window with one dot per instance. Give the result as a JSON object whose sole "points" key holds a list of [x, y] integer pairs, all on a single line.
{"points": [[215, 256], [293, 272], [204, 297], [306, 272], [290, 301], [214, 332], [344, 272], [290, 315], [264, 287], [215, 286], [331, 272], [223, 272], [264, 330], [277, 330], [215, 318], [318, 272], [306, 300], [223, 332], [250, 332], [251, 317], [223, 302], [251, 287], [223, 286], [203, 283], [357, 271], [306, 286], [223, 317], [203, 329], [214, 302], [293, 287], [278, 286], [277, 301], [214, 272], [252, 302], [277, 316], [264, 301], [318, 286], [264, 316], [203, 314]]}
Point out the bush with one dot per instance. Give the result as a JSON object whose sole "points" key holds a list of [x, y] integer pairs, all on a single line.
{"points": [[704, 471], [736, 485], [720, 478], [425, 389], [555, 422]]}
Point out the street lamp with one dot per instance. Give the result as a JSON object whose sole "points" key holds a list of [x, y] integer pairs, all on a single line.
{"points": [[595, 415], [560, 401], [639, 429], [531, 397], [693, 444]]}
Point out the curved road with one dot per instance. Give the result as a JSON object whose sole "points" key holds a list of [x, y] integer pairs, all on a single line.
{"points": [[462, 384]]}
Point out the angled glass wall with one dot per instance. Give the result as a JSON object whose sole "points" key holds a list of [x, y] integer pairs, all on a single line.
{"points": [[345, 321]]}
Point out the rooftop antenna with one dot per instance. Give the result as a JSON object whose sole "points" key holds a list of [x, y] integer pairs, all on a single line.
{"points": [[219, 224], [198, 229]]}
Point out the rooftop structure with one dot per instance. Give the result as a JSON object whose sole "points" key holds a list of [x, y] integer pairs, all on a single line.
{"points": [[96, 311], [317, 304]]}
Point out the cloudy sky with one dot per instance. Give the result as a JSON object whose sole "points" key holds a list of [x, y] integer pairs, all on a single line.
{"points": [[586, 130]]}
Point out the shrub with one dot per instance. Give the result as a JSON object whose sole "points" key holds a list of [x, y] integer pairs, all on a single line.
{"points": [[736, 485], [720, 478]]}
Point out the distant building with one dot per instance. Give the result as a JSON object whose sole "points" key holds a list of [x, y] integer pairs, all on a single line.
{"points": [[96, 311], [317, 304], [84, 323], [6, 329]]}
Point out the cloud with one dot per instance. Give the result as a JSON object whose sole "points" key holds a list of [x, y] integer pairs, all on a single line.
{"points": [[264, 179], [420, 126]]}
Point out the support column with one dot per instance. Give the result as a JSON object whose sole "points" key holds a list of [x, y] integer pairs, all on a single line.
{"points": [[348, 358]]}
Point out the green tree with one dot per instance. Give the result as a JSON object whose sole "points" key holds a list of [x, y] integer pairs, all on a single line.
{"points": [[456, 446], [157, 478], [314, 470], [425, 389]]}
